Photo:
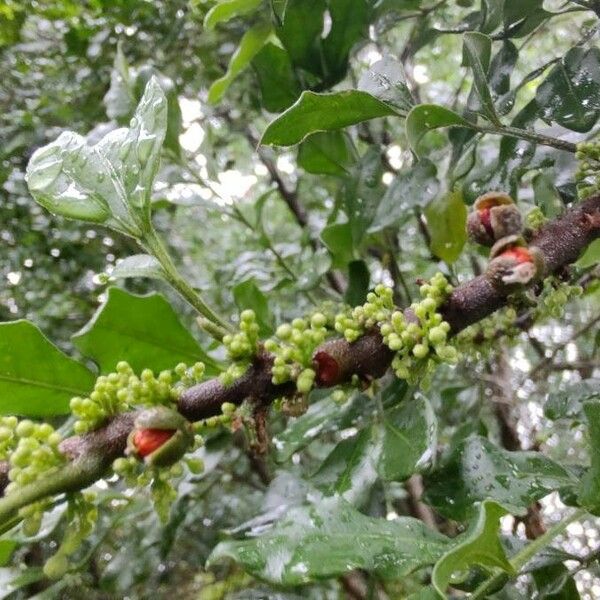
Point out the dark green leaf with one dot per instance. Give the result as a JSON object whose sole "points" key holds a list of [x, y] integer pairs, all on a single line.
{"points": [[359, 279], [338, 239], [36, 378], [446, 221], [570, 94], [409, 439], [478, 470], [248, 295], [589, 494], [568, 402], [386, 80], [477, 51], [323, 112], [299, 548], [279, 85], [479, 546], [553, 582], [502, 66], [327, 153], [143, 330], [250, 45], [413, 186], [426, 117]]}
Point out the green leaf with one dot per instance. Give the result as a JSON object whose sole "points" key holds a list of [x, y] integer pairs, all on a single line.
{"points": [[349, 20], [226, 10], [300, 33], [119, 100], [15, 578], [322, 416], [250, 45], [591, 256], [477, 49], [138, 265], [279, 86], [359, 279], [409, 439], [570, 94], [477, 469], [426, 117], [248, 295], [502, 66], [327, 153], [480, 546], [7, 547], [568, 402], [36, 378], [314, 112], [349, 470], [338, 239], [553, 582], [413, 186], [299, 548], [589, 494], [143, 330], [447, 224], [107, 182], [386, 80]]}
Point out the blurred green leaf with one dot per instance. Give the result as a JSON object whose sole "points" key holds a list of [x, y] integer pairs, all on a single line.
{"points": [[247, 295], [314, 112], [143, 330], [427, 117], [589, 493], [138, 265], [386, 80], [298, 549], [446, 221], [338, 239], [36, 378], [225, 10], [477, 469], [591, 256], [567, 403], [479, 546], [570, 94], [250, 45], [359, 279], [327, 153]]}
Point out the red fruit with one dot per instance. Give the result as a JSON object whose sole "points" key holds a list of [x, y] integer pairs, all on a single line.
{"points": [[486, 220], [146, 441], [518, 253], [327, 369]]}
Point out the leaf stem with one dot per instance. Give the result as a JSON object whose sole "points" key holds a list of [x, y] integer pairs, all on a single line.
{"points": [[152, 243], [530, 136], [521, 558]]}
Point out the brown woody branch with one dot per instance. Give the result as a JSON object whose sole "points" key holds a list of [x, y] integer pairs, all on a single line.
{"points": [[337, 361]]}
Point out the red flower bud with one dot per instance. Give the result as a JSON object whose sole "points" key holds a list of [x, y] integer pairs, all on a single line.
{"points": [[518, 253], [147, 441], [327, 369]]}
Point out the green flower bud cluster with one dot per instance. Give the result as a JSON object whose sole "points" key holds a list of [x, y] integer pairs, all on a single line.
{"points": [[378, 307], [241, 347], [587, 175], [228, 411], [554, 297], [535, 218], [418, 345], [478, 339], [35, 453], [117, 392], [294, 348], [82, 514], [8, 436]]}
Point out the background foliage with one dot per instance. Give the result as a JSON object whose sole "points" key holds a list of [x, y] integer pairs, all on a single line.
{"points": [[344, 192]]}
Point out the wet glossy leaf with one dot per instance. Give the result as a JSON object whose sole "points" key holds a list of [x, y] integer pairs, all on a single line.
{"points": [[502, 66], [119, 100], [298, 549], [248, 295], [36, 378], [327, 153], [279, 86], [426, 117], [386, 80], [409, 439], [143, 330], [568, 402], [250, 45], [553, 582], [570, 94], [413, 186], [477, 52], [138, 265], [479, 546], [447, 224], [478, 470], [225, 10], [314, 112]]}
